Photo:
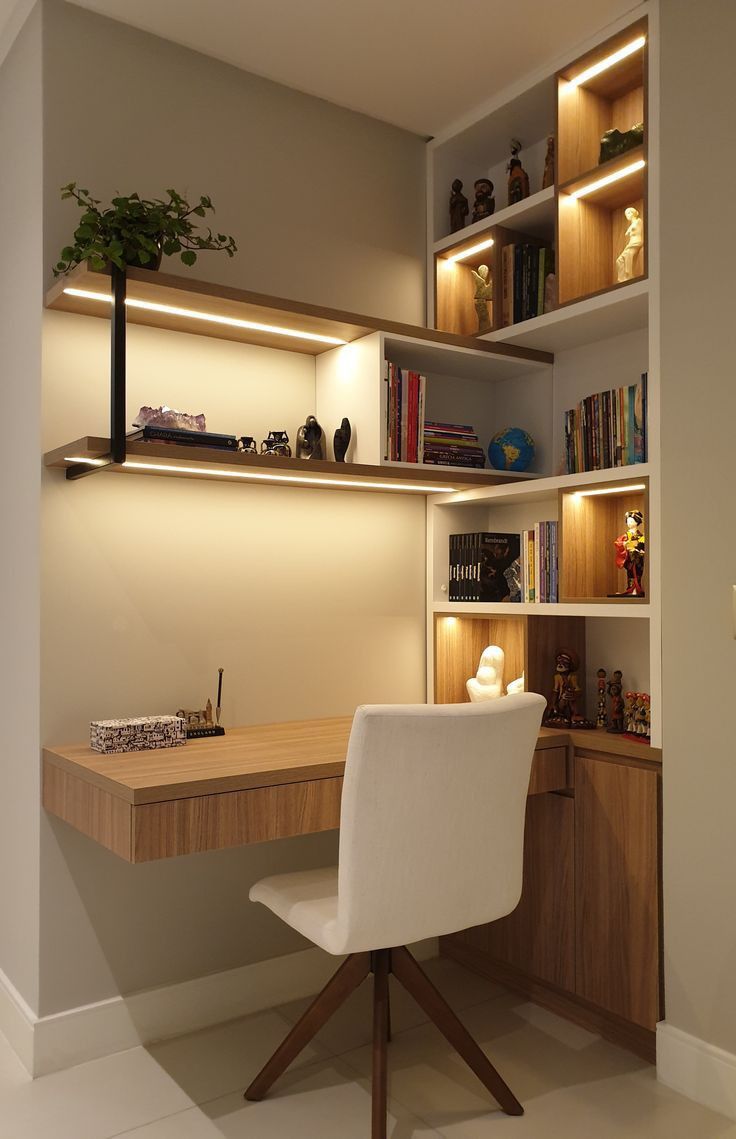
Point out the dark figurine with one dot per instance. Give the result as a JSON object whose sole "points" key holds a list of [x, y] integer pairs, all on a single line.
{"points": [[562, 709], [630, 549], [548, 178], [341, 440], [615, 691], [615, 142], [518, 177], [484, 203], [248, 445], [458, 207], [277, 443], [310, 440], [601, 718]]}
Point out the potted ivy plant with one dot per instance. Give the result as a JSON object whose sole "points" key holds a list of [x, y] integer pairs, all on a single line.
{"points": [[135, 231]]}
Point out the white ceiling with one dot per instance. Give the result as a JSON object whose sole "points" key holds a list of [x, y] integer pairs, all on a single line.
{"points": [[420, 64]]}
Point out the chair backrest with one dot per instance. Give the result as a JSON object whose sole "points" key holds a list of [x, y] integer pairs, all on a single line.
{"points": [[432, 818]]}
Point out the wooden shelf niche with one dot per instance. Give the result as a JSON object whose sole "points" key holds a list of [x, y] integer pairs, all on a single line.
{"points": [[455, 284], [614, 98], [592, 224], [529, 643], [589, 527]]}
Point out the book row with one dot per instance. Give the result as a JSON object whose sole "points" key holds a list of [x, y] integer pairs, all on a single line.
{"points": [[608, 429], [492, 567], [524, 272]]}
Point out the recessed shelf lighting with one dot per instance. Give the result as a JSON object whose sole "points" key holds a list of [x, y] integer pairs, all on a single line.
{"points": [[212, 318], [615, 177], [609, 490], [469, 252], [609, 61], [268, 476]]}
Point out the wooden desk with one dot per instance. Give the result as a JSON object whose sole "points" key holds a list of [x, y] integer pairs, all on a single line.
{"points": [[252, 785]]}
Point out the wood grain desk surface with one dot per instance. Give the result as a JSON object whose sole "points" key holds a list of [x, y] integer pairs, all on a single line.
{"points": [[260, 755]]}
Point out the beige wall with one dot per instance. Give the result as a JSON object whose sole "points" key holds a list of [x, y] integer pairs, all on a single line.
{"points": [[20, 353], [312, 601], [698, 345], [326, 205]]}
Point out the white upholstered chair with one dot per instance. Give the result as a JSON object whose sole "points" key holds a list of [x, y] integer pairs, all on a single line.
{"points": [[431, 842]]}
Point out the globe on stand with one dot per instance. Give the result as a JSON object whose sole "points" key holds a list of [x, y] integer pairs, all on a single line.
{"points": [[511, 449]]}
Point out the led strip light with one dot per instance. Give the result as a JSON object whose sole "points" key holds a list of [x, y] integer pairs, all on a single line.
{"points": [[610, 490], [212, 318], [264, 476], [609, 61]]}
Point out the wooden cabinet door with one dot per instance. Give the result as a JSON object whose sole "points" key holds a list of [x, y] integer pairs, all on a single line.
{"points": [[617, 888], [538, 938]]}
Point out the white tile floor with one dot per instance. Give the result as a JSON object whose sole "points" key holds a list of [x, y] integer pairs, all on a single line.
{"points": [[572, 1084]]}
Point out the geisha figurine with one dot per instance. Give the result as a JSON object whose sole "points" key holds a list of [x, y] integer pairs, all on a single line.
{"points": [[630, 549]]}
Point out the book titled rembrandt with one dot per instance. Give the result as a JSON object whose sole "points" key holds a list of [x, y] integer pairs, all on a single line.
{"points": [[485, 567]]}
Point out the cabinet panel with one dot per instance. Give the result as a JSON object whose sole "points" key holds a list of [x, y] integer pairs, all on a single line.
{"points": [[617, 888], [538, 938]]}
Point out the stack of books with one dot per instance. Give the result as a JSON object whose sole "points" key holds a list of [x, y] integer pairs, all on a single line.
{"points": [[453, 445], [485, 567], [539, 580], [404, 414], [524, 270], [608, 429]]}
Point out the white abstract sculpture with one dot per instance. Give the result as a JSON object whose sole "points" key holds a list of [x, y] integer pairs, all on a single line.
{"points": [[516, 686], [487, 684], [634, 235]]}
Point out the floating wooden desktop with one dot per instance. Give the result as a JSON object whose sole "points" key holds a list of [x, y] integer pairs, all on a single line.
{"points": [[252, 785]]}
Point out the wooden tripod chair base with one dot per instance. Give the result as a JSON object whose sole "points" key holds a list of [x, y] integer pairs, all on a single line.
{"points": [[346, 980]]}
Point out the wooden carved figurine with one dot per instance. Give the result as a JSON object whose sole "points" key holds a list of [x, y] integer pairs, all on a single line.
{"points": [[562, 709], [630, 549], [615, 691], [548, 178], [601, 719], [482, 295], [518, 177], [627, 262], [458, 207], [484, 203], [630, 700]]}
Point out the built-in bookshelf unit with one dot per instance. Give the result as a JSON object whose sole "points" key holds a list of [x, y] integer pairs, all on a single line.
{"points": [[466, 383], [580, 218]]}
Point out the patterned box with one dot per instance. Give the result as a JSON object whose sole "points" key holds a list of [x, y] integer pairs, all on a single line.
{"points": [[137, 734]]}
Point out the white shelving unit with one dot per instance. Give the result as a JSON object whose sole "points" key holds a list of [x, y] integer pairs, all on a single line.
{"points": [[618, 635]]}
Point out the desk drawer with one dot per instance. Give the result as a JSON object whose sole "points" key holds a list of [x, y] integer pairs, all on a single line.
{"points": [[549, 770], [235, 818]]}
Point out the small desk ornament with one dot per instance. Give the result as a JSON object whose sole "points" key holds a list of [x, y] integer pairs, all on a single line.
{"points": [[200, 725]]}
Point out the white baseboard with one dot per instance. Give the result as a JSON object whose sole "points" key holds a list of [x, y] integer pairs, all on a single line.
{"points": [[699, 1070], [17, 1021], [48, 1043]]}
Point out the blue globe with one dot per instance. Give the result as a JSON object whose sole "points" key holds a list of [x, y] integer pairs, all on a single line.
{"points": [[511, 449]]}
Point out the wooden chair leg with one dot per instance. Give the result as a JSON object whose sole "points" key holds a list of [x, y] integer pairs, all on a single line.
{"points": [[417, 983], [381, 968], [346, 980]]}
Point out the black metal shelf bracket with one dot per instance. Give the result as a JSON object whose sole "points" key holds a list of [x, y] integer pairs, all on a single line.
{"points": [[117, 382]]}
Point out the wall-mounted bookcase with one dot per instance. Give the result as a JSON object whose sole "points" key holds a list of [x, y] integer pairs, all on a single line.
{"points": [[585, 227]]}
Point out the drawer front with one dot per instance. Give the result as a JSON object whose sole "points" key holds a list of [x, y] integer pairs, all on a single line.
{"points": [[549, 770], [235, 818]]}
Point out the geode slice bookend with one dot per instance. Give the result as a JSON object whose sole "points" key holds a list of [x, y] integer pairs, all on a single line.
{"points": [[167, 417]]}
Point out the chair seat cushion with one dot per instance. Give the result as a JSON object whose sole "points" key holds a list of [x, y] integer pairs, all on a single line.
{"points": [[306, 900]]}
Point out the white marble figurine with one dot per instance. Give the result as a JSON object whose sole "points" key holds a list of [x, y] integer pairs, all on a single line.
{"points": [[516, 686], [487, 684], [626, 262]]}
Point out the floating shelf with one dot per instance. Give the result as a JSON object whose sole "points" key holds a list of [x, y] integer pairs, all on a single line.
{"points": [[580, 608], [177, 461], [622, 308], [182, 304], [535, 216]]}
